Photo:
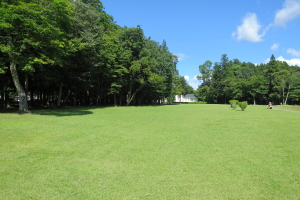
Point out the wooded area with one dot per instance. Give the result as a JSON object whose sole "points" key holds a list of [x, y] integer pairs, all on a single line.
{"points": [[71, 53], [275, 81], [61, 52]]}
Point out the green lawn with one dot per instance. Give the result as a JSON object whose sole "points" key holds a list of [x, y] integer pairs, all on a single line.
{"points": [[158, 152], [288, 107]]}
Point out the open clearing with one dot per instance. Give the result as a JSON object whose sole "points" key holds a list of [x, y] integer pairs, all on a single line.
{"points": [[291, 108], [156, 152]]}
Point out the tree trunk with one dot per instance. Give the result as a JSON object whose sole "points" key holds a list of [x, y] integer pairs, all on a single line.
{"points": [[283, 96], [59, 93], [44, 96], [31, 98], [121, 97], [39, 96], [2, 97], [26, 84], [23, 106], [75, 99], [49, 95], [52, 97], [129, 96], [87, 99], [287, 95], [115, 99]]}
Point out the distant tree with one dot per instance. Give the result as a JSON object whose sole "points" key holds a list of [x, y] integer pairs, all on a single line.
{"points": [[272, 57], [280, 81], [203, 93], [189, 89], [295, 91], [205, 72]]}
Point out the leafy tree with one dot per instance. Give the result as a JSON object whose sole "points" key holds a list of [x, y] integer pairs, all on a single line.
{"points": [[295, 91], [293, 82], [257, 87], [33, 34], [97, 4], [113, 61], [243, 105], [203, 93], [206, 72], [280, 81]]}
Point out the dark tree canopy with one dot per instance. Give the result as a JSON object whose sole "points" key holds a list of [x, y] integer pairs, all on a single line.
{"points": [[71, 52]]}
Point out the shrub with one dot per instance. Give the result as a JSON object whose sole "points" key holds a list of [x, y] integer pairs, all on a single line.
{"points": [[233, 103], [243, 105], [199, 102]]}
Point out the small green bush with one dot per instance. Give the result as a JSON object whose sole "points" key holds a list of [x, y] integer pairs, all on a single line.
{"points": [[243, 105], [233, 103], [199, 102]]}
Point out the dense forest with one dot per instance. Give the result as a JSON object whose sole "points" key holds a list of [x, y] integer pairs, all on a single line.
{"points": [[275, 82], [71, 52]]}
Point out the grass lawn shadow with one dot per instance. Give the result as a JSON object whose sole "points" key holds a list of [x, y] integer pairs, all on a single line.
{"points": [[58, 112]]}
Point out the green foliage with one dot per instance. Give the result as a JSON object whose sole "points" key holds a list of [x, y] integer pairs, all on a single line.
{"points": [[3, 69], [233, 103], [73, 52], [206, 72], [204, 93], [243, 105], [232, 79], [199, 102]]}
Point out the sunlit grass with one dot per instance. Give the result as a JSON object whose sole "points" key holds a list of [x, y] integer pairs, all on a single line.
{"points": [[288, 107], [156, 152]]}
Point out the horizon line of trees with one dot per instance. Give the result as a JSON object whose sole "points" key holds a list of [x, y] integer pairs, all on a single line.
{"points": [[71, 52], [226, 80]]}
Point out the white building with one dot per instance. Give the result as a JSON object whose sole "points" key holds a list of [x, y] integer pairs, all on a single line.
{"points": [[186, 98]]}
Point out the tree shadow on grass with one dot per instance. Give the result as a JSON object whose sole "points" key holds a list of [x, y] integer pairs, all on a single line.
{"points": [[152, 105], [58, 112]]}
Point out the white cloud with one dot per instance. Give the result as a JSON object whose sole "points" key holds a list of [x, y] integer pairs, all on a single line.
{"points": [[267, 61], [274, 47], [293, 61], [293, 52], [249, 29], [186, 78], [290, 11], [194, 82], [181, 56]]}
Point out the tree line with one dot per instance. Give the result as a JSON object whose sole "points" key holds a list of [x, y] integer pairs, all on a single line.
{"points": [[71, 52], [275, 81]]}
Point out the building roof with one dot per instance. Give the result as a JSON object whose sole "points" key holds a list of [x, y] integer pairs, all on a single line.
{"points": [[190, 96]]}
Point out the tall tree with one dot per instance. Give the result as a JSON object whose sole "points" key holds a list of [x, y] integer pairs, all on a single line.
{"points": [[206, 72], [32, 34]]}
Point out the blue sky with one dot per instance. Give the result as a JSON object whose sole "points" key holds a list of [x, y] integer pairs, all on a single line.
{"points": [[197, 30]]}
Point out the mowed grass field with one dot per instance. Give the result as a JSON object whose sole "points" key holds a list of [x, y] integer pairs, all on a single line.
{"points": [[288, 107], [156, 152]]}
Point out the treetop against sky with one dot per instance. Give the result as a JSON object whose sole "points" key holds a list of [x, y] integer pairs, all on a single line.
{"points": [[197, 31]]}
